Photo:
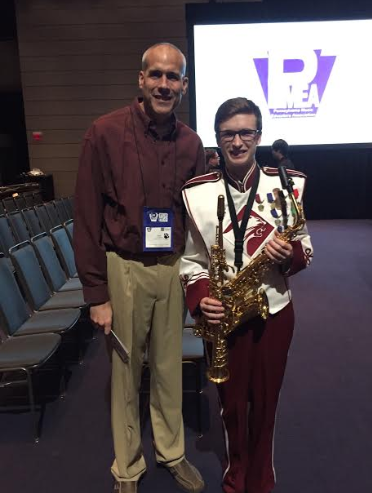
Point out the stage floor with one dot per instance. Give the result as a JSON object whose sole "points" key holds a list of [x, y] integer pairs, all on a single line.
{"points": [[324, 426]]}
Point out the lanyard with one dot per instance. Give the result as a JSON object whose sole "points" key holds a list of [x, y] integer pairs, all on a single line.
{"points": [[239, 232]]}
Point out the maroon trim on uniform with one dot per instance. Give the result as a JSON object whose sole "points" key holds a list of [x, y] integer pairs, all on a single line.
{"points": [[274, 171], [195, 293], [247, 182], [215, 176], [187, 204], [298, 261]]}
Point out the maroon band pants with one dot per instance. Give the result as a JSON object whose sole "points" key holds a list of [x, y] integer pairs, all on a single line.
{"points": [[257, 360]]}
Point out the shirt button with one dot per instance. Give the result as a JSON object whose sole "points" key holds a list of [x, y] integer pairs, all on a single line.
{"points": [[163, 163], [163, 185]]}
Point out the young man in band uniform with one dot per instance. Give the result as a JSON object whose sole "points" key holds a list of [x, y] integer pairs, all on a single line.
{"points": [[257, 349], [129, 235]]}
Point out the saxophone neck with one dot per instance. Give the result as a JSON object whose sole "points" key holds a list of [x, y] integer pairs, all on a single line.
{"points": [[220, 216], [217, 236], [287, 184]]}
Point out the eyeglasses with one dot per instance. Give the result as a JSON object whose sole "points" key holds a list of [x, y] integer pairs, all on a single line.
{"points": [[245, 134]]}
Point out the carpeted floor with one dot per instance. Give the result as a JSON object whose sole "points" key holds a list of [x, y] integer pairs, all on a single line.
{"points": [[324, 426]]}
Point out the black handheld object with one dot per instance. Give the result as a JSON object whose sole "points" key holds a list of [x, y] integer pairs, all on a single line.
{"points": [[286, 181], [119, 347]]}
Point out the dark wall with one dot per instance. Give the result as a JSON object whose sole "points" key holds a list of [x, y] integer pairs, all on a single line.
{"points": [[13, 145], [13, 139], [7, 20], [339, 184]]}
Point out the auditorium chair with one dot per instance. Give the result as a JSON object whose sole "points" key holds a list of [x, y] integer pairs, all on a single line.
{"points": [[61, 210], [69, 227], [26, 355], [28, 341], [9, 204], [19, 320], [32, 221], [33, 282], [67, 203], [29, 199], [20, 202], [43, 217], [55, 220], [18, 225], [38, 198], [7, 238], [64, 250], [51, 266]]}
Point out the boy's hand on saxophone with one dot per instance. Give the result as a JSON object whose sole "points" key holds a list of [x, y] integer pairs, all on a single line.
{"points": [[212, 310], [279, 251]]}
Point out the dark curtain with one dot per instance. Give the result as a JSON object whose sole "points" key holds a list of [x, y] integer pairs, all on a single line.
{"points": [[339, 182]]}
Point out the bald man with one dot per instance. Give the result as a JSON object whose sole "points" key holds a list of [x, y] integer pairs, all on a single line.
{"points": [[128, 239]]}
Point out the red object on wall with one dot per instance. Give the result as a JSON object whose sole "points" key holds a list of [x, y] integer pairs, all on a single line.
{"points": [[37, 136]]}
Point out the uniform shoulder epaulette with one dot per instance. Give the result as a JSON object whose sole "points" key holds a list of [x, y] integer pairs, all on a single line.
{"points": [[274, 171], [198, 180]]}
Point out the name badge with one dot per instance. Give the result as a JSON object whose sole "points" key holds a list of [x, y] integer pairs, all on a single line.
{"points": [[157, 230]]}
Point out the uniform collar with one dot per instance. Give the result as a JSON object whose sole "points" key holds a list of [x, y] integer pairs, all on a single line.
{"points": [[246, 183]]}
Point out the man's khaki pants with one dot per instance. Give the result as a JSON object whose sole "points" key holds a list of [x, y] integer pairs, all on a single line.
{"points": [[147, 306]]}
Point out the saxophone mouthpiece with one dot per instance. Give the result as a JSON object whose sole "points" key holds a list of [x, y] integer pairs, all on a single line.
{"points": [[286, 181], [221, 207]]}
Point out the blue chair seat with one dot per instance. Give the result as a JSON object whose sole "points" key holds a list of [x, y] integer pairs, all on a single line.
{"points": [[29, 351], [49, 321]]}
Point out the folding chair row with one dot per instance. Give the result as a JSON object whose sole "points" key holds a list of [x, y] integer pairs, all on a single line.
{"points": [[31, 338], [7, 239], [49, 215], [39, 295], [51, 265], [19, 320], [27, 354], [21, 201], [16, 227]]}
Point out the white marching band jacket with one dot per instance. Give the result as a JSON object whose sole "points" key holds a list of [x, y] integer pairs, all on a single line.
{"points": [[200, 197]]}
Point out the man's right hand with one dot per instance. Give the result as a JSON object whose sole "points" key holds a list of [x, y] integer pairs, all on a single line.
{"points": [[101, 316]]}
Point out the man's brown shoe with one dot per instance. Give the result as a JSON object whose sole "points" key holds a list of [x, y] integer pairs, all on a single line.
{"points": [[125, 487], [187, 477]]}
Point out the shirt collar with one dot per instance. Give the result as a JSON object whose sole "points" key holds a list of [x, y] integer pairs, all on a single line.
{"points": [[149, 126]]}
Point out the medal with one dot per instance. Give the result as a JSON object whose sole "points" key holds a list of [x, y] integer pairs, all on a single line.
{"points": [[270, 198], [260, 202], [275, 213]]}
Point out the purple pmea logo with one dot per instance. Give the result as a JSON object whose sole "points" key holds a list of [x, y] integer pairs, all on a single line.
{"points": [[294, 86]]}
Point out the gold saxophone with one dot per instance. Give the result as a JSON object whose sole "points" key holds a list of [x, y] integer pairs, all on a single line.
{"points": [[241, 296]]}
